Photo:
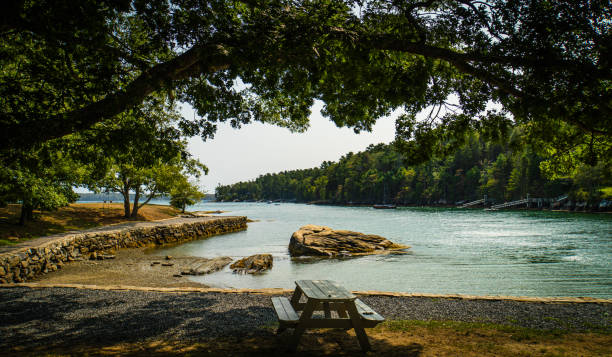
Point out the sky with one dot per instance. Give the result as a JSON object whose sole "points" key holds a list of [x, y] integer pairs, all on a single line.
{"points": [[235, 155]]}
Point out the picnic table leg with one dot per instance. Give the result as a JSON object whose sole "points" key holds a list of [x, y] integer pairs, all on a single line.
{"points": [[295, 298], [358, 326], [301, 326], [326, 310]]}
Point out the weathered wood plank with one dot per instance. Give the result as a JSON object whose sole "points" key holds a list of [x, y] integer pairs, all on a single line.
{"points": [[324, 290], [291, 313], [279, 309], [366, 312], [307, 289], [284, 310], [337, 290]]}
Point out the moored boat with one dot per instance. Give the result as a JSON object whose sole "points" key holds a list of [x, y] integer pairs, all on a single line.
{"points": [[384, 206]]}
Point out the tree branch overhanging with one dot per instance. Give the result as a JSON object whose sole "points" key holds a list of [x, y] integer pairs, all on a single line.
{"points": [[197, 60]]}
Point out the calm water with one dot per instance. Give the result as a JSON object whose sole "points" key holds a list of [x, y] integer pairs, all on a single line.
{"points": [[453, 251]]}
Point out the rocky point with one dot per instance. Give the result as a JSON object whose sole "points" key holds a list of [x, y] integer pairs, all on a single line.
{"points": [[312, 240]]}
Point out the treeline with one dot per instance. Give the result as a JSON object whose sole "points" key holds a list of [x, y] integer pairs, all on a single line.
{"points": [[503, 172], [117, 197]]}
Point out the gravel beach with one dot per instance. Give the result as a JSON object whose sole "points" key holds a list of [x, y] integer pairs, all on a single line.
{"points": [[62, 317]]}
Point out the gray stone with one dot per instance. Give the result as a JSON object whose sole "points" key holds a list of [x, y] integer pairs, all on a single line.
{"points": [[209, 266], [254, 264], [312, 240]]}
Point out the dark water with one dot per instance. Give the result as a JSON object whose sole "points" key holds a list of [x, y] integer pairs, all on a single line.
{"points": [[521, 253]]}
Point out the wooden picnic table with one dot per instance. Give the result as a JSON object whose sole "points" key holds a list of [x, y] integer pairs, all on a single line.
{"points": [[341, 309]]}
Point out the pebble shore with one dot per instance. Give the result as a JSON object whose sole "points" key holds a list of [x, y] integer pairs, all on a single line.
{"points": [[58, 317]]}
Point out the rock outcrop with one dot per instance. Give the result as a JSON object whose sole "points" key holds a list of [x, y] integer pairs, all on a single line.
{"points": [[312, 240], [254, 264], [207, 266]]}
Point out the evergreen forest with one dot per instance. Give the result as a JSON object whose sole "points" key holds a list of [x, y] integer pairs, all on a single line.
{"points": [[503, 170]]}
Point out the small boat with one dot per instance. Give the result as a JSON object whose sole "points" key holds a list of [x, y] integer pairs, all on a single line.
{"points": [[384, 206]]}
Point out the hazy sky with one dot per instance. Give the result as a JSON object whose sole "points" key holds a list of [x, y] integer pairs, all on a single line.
{"points": [[243, 154]]}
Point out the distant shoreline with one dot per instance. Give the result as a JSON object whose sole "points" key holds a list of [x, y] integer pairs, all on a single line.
{"points": [[316, 203]]}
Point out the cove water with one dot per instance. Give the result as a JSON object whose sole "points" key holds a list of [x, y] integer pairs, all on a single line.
{"points": [[519, 253]]}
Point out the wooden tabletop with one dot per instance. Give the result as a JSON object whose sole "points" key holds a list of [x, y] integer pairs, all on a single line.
{"points": [[324, 290]]}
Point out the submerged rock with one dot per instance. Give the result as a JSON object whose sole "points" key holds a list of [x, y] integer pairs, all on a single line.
{"points": [[254, 264], [312, 240], [207, 266]]}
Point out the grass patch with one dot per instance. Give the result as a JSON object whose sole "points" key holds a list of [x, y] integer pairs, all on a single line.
{"points": [[517, 333], [479, 338], [76, 216], [392, 338]]}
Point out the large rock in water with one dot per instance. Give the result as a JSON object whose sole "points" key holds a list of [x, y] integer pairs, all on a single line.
{"points": [[323, 241], [254, 264]]}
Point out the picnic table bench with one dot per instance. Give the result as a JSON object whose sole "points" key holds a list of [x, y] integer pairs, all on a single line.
{"points": [[341, 309]]}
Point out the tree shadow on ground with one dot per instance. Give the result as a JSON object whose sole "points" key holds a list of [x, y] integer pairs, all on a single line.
{"points": [[315, 343], [42, 322]]}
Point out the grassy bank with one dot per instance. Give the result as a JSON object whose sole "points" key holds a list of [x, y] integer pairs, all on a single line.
{"points": [[73, 217]]}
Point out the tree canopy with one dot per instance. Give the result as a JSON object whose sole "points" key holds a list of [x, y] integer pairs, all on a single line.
{"points": [[141, 152], [546, 64]]}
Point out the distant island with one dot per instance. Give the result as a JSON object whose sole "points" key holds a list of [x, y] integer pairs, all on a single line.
{"points": [[499, 172], [117, 197]]}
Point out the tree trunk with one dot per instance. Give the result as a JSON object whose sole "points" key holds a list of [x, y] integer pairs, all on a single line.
{"points": [[126, 199], [136, 198], [137, 206], [27, 213], [126, 204]]}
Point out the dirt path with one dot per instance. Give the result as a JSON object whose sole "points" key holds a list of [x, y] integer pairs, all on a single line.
{"points": [[107, 228]]}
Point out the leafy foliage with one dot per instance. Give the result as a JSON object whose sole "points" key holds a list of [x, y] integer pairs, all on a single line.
{"points": [[545, 64], [185, 193], [141, 152], [41, 179], [102, 72]]}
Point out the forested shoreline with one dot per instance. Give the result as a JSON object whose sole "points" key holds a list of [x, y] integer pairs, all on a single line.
{"points": [[379, 175]]}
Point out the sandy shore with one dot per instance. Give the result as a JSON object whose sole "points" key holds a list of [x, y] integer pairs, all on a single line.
{"points": [[131, 267]]}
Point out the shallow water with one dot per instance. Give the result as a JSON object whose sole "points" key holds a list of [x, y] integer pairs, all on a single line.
{"points": [[520, 253]]}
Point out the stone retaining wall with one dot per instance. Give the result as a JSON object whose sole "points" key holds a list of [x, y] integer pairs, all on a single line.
{"points": [[26, 263]]}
